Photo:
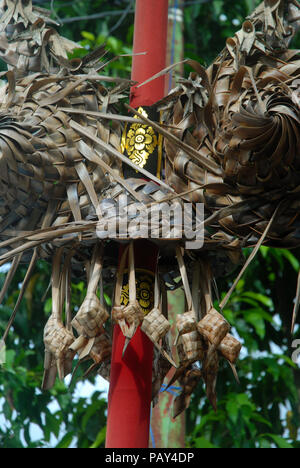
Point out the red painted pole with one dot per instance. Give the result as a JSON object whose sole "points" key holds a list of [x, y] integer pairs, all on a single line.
{"points": [[150, 36], [129, 399]]}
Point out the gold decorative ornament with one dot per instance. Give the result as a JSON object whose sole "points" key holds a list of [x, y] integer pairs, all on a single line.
{"points": [[139, 141]]}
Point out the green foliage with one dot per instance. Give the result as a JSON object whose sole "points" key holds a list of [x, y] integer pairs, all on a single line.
{"points": [[116, 48], [263, 409], [209, 24], [91, 33]]}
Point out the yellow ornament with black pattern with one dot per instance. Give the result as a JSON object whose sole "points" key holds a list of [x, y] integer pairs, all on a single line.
{"points": [[142, 145], [144, 290]]}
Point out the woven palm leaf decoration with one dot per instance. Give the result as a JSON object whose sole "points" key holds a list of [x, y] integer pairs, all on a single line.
{"points": [[242, 116], [28, 41], [231, 137]]}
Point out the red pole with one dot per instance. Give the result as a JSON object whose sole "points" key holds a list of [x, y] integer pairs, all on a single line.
{"points": [[150, 36], [129, 399]]}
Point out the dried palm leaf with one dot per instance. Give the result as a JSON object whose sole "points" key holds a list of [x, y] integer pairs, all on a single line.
{"points": [[190, 348], [91, 316], [209, 374], [104, 369], [28, 43], [155, 324], [203, 341], [230, 348], [186, 323], [57, 338], [188, 382], [129, 316], [160, 368], [89, 320], [243, 116]]}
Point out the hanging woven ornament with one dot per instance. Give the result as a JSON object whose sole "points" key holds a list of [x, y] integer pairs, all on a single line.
{"points": [[131, 315], [100, 353], [162, 358], [231, 139], [210, 358], [230, 348], [191, 346], [155, 324], [214, 327], [89, 320], [118, 309], [190, 343], [57, 337], [104, 369]]}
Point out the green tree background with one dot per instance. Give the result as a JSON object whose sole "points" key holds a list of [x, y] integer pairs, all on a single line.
{"points": [[263, 410]]}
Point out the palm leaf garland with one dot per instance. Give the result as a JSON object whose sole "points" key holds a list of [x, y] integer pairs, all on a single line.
{"points": [[231, 141]]}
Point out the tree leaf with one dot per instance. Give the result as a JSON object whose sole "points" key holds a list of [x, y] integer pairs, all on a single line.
{"points": [[265, 300], [201, 442], [255, 319], [279, 441], [291, 258], [66, 440], [100, 439], [88, 35]]}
